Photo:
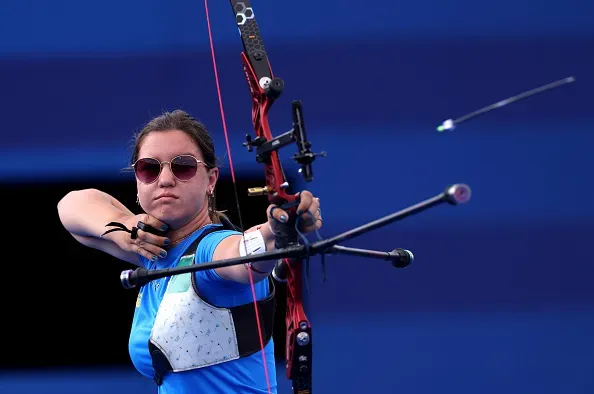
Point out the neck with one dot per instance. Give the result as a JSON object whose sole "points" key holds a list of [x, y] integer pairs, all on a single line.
{"points": [[176, 235]]}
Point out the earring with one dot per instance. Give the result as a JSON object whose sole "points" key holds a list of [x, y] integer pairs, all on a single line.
{"points": [[137, 200]]}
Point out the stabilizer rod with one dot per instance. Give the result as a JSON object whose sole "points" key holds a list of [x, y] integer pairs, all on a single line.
{"points": [[455, 194]]}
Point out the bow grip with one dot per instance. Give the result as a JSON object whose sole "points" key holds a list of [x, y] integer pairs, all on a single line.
{"points": [[285, 234]]}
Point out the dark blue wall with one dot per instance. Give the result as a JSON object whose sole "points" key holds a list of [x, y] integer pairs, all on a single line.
{"points": [[499, 298]]}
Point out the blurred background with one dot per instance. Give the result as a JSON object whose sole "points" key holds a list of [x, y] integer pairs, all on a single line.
{"points": [[500, 296]]}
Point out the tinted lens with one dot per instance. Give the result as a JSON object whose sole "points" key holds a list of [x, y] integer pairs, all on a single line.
{"points": [[147, 170], [184, 167]]}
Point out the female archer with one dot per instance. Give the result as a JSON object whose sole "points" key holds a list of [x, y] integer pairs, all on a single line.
{"points": [[193, 332]]}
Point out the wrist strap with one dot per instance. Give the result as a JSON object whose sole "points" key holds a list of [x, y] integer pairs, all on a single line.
{"points": [[252, 243]]}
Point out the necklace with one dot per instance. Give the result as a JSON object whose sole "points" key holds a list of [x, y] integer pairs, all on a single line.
{"points": [[187, 235]]}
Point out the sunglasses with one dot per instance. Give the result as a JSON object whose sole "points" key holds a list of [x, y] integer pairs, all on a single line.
{"points": [[183, 167]]}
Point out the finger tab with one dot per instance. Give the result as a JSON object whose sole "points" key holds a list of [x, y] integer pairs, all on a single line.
{"points": [[150, 229]]}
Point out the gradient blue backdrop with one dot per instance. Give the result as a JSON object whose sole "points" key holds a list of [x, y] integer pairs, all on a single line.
{"points": [[500, 297]]}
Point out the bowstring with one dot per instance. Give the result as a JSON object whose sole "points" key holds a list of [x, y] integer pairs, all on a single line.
{"points": [[224, 123]]}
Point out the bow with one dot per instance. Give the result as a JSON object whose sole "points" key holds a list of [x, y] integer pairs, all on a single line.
{"points": [[292, 249], [265, 88]]}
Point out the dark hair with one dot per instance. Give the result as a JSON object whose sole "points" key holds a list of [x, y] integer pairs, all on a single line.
{"points": [[181, 120]]}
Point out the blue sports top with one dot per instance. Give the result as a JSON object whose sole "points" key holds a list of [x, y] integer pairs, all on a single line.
{"points": [[244, 375]]}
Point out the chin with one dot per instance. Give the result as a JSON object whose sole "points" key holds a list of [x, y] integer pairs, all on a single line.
{"points": [[168, 214]]}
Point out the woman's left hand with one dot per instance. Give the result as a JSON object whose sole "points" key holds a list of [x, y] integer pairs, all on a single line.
{"points": [[308, 206]]}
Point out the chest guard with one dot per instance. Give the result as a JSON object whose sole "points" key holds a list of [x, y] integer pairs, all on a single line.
{"points": [[191, 333]]}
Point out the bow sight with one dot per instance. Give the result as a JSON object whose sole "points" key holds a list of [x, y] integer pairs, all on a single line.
{"points": [[304, 156]]}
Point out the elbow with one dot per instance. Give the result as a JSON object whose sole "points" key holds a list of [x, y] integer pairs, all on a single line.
{"points": [[67, 202], [67, 206], [75, 195]]}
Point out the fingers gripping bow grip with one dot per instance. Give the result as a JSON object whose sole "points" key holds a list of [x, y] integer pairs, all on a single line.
{"points": [[285, 234]]}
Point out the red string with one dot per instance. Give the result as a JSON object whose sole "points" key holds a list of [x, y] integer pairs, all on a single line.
{"points": [[214, 63]]}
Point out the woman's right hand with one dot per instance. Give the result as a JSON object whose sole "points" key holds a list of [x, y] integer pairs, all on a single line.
{"points": [[145, 244]]}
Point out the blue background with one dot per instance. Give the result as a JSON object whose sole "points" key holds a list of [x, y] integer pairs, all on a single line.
{"points": [[500, 297]]}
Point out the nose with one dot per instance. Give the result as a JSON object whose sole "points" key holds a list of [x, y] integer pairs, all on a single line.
{"points": [[166, 177]]}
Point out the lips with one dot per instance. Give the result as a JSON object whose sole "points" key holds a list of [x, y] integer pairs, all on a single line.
{"points": [[166, 195]]}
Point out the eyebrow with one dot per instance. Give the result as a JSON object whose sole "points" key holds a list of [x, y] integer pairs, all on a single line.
{"points": [[179, 154], [188, 154]]}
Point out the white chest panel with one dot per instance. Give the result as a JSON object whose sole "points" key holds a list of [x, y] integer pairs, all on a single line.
{"points": [[190, 332]]}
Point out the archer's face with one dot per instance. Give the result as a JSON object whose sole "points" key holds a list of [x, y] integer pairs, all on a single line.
{"points": [[168, 199]]}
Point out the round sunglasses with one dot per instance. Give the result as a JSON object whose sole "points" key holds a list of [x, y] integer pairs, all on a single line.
{"points": [[183, 167]]}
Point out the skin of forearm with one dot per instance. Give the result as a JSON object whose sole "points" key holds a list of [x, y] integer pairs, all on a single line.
{"points": [[86, 212]]}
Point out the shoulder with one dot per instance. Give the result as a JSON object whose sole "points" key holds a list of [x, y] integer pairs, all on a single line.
{"points": [[210, 239]]}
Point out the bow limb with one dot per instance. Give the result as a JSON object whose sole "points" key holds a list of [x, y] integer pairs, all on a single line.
{"points": [[223, 119], [264, 89]]}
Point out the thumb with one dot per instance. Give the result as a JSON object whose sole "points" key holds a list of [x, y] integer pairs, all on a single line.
{"points": [[277, 213]]}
